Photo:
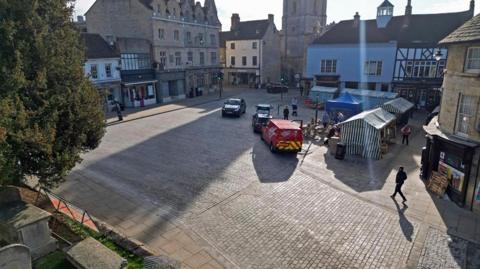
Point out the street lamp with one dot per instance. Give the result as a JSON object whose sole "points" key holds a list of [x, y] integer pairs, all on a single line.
{"points": [[438, 55]]}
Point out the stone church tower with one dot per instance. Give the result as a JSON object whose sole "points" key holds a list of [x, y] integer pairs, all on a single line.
{"points": [[302, 22]]}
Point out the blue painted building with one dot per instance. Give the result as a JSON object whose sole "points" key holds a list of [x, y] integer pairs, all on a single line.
{"points": [[348, 60], [389, 53]]}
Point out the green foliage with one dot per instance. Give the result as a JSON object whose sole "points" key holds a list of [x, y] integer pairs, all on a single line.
{"points": [[49, 112], [55, 260], [134, 261]]}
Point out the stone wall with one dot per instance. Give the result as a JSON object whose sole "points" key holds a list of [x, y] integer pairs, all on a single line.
{"points": [[271, 54], [120, 18], [458, 82]]}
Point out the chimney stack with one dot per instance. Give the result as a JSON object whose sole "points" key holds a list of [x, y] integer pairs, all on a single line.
{"points": [[356, 20], [235, 21], [270, 18], [408, 9], [472, 7]]}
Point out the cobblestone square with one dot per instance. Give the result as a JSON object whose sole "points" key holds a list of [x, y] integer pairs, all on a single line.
{"points": [[207, 191]]}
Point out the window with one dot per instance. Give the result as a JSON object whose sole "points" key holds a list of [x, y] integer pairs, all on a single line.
{"points": [[384, 87], [213, 57], [427, 69], [232, 46], [213, 41], [200, 39], [150, 92], [161, 34], [329, 66], [202, 58], [254, 45], [108, 70], [467, 109], [373, 68], [136, 61], [190, 56], [473, 60], [254, 60], [163, 58], [176, 35], [232, 61], [244, 60], [294, 8], [188, 37], [94, 71], [372, 86], [178, 58], [171, 59], [351, 85]]}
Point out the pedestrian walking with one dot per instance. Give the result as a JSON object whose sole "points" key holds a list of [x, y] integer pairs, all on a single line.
{"points": [[286, 113], [294, 107], [400, 180], [325, 119], [301, 90], [118, 109], [406, 132]]}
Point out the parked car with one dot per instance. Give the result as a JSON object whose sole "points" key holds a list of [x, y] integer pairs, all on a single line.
{"points": [[276, 88], [283, 135], [234, 107], [261, 117]]}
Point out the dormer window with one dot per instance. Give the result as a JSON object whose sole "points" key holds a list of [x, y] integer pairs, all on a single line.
{"points": [[384, 14], [385, 9]]}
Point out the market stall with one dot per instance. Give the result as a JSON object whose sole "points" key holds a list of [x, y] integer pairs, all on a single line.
{"points": [[345, 104], [368, 134], [371, 99], [320, 95], [401, 108]]}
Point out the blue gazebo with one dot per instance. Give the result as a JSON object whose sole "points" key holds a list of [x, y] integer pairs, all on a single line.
{"points": [[348, 105]]}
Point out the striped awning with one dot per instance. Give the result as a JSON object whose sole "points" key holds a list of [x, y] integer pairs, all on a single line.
{"points": [[398, 106], [362, 134]]}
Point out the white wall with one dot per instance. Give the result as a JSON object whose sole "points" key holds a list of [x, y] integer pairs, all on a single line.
{"points": [[101, 63], [243, 48]]}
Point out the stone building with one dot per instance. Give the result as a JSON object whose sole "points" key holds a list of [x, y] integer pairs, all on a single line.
{"points": [[453, 139], [252, 52], [302, 22], [178, 40]]}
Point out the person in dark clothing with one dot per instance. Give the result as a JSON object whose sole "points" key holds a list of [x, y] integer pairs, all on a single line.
{"points": [[286, 112], [118, 108], [406, 132], [400, 180]]}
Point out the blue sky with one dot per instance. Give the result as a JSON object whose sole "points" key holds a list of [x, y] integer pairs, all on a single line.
{"points": [[337, 9]]}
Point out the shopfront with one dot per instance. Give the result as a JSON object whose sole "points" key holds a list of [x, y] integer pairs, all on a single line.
{"points": [[110, 92], [243, 77], [423, 96], [455, 160], [139, 94]]}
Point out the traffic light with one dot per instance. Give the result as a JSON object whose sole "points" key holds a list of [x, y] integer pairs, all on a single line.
{"points": [[220, 76]]}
